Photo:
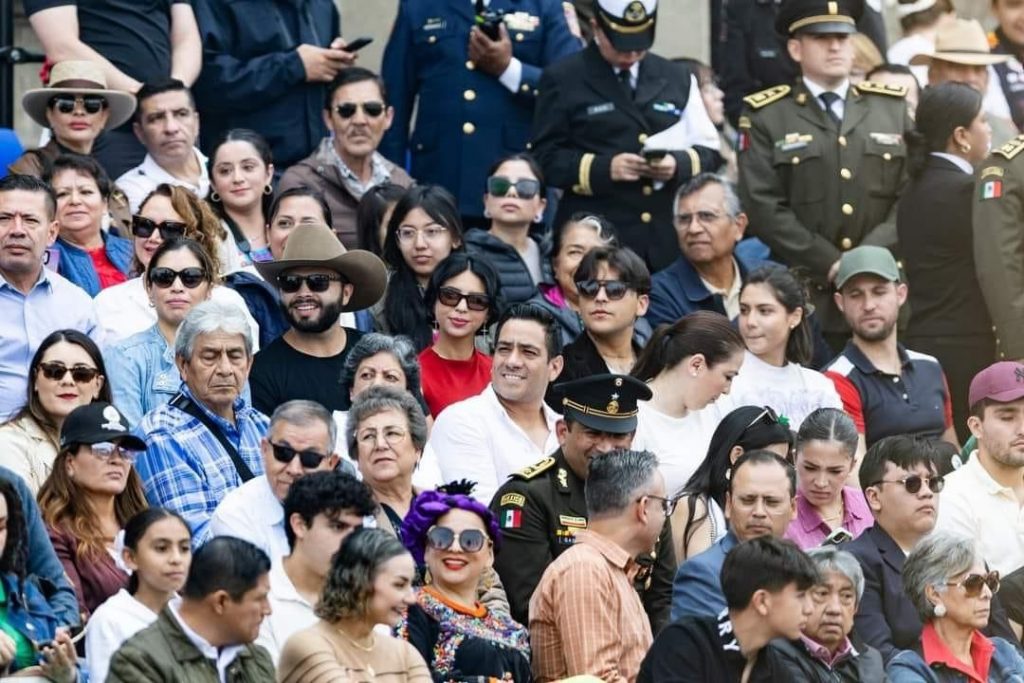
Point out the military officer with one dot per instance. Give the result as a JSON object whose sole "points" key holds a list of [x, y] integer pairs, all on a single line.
{"points": [[474, 94], [541, 508], [594, 115], [822, 163]]}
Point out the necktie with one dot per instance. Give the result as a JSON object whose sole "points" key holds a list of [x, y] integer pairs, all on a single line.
{"points": [[623, 76], [828, 99]]}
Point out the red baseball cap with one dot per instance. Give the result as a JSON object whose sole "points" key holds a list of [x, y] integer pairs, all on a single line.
{"points": [[1001, 382]]}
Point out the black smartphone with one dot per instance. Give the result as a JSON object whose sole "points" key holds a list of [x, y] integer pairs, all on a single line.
{"points": [[654, 154], [358, 44]]}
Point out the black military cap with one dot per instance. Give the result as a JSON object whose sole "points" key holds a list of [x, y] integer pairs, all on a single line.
{"points": [[96, 422], [818, 16], [629, 24], [606, 403]]}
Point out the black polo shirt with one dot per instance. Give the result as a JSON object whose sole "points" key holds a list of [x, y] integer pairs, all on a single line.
{"points": [[916, 401]]}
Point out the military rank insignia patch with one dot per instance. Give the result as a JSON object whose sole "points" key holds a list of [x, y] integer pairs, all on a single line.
{"points": [[511, 519], [517, 499], [992, 189]]}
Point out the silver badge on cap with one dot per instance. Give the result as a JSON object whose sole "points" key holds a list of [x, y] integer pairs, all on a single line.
{"points": [[113, 420]]}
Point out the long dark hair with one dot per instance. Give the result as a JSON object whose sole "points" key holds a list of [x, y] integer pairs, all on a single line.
{"points": [[455, 265], [137, 527], [704, 332], [404, 308], [792, 294], [14, 559], [370, 212], [258, 143], [942, 109]]}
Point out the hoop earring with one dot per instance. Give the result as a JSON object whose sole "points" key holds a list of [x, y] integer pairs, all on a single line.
{"points": [[965, 148], [214, 197], [487, 213], [539, 218], [268, 190]]}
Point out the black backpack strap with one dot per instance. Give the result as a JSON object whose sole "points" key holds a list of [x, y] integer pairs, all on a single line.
{"points": [[185, 404]]}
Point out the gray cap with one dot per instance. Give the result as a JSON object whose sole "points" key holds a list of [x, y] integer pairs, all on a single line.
{"points": [[867, 259]]}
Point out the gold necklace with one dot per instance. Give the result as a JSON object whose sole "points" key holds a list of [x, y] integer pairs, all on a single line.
{"points": [[364, 648]]}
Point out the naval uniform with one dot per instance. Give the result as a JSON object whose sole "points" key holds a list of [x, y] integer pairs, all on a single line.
{"points": [[540, 509]]}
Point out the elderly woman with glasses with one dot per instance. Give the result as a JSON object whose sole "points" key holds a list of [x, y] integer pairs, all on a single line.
{"points": [[949, 584], [89, 496], [455, 536]]}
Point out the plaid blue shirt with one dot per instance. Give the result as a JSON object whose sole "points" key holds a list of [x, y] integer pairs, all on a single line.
{"points": [[186, 469]]}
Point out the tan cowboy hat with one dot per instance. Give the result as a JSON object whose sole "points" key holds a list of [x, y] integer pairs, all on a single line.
{"points": [[78, 77], [961, 41], [316, 246]]}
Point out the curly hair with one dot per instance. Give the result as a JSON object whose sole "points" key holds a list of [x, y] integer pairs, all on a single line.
{"points": [[349, 585], [430, 506], [14, 555], [203, 224]]}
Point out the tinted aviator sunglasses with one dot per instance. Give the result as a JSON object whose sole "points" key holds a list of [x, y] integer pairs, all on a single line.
{"points": [[449, 296], [973, 583], [913, 483], [347, 110], [613, 289], [470, 540], [65, 104], [81, 374], [499, 185], [309, 460], [317, 282], [165, 277], [144, 228]]}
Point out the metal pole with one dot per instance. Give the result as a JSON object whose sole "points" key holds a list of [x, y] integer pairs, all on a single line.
{"points": [[10, 55]]}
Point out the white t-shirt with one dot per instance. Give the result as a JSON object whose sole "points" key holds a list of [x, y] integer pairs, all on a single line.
{"points": [[792, 391], [290, 612], [113, 622], [681, 443]]}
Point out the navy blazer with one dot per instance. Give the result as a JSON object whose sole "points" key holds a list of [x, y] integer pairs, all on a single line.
{"points": [[678, 290], [697, 588]]}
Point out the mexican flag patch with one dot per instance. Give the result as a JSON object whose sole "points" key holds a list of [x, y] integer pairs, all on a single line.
{"points": [[992, 189], [511, 519]]}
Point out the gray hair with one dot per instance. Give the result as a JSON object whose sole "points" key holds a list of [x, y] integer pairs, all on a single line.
{"points": [[932, 562], [699, 182], [376, 400], [211, 316], [370, 345], [828, 558], [616, 478], [302, 413]]}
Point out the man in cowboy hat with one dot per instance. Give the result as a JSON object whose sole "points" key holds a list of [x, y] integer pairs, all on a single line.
{"points": [[318, 280], [822, 162], [595, 112]]}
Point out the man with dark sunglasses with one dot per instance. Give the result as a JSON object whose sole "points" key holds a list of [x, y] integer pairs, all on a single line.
{"points": [[300, 441], [318, 280], [346, 164]]}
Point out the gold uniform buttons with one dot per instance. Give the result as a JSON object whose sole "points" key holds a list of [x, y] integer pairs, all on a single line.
{"points": [[846, 244], [645, 217], [468, 128], [642, 138], [432, 39], [845, 173], [848, 209], [647, 190], [525, 88], [795, 160], [470, 64], [842, 141], [469, 95], [887, 156], [519, 37]]}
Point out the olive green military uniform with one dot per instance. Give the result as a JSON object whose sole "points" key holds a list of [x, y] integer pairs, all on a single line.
{"points": [[540, 509], [814, 189], [999, 244]]}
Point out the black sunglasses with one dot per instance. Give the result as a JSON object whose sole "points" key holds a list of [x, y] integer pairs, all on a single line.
{"points": [[613, 289], [973, 583], [163, 278], [449, 296], [309, 460], [144, 228], [347, 110], [499, 185], [317, 282], [81, 374], [470, 540], [65, 104], [913, 483]]}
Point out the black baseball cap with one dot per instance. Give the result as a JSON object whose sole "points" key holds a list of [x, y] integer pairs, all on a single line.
{"points": [[607, 403], [97, 422]]}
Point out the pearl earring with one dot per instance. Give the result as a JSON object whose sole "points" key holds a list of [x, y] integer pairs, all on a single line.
{"points": [[940, 611]]}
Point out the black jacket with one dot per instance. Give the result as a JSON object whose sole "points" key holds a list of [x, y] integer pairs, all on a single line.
{"points": [[514, 277], [582, 359], [865, 667]]}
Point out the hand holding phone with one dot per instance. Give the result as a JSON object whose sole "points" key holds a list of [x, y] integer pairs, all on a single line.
{"points": [[358, 44]]}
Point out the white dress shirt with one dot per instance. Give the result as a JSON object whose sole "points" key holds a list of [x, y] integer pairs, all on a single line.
{"points": [[222, 658], [253, 513], [475, 439], [839, 107], [290, 612], [138, 182]]}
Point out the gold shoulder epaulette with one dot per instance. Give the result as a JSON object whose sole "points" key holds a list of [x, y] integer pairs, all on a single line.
{"points": [[535, 469], [766, 97], [882, 89], [1012, 148]]}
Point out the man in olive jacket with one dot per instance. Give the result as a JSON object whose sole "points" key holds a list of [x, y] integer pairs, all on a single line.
{"points": [[212, 626]]}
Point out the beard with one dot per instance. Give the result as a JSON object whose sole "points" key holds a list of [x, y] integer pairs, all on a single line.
{"points": [[878, 335], [329, 314]]}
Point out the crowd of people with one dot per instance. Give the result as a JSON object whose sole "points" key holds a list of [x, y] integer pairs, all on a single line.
{"points": [[593, 369]]}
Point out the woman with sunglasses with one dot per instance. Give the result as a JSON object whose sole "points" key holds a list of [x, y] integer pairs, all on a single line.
{"points": [[454, 536], [514, 200], [946, 579], [826, 507], [424, 230], [66, 372], [89, 496], [142, 367], [168, 212], [464, 297], [688, 365], [699, 518]]}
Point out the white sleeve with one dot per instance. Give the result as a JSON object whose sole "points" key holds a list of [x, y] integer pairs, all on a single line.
{"points": [[463, 451], [512, 76], [699, 128], [427, 474], [102, 639]]}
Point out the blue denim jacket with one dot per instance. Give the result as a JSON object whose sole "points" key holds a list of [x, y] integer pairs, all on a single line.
{"points": [[909, 666], [76, 265], [28, 612]]}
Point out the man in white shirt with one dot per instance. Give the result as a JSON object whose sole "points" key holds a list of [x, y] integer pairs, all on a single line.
{"points": [[321, 510], [984, 498], [300, 441], [507, 426], [167, 124]]}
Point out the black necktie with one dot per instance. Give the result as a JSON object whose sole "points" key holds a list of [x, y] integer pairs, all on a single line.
{"points": [[828, 99], [623, 76]]}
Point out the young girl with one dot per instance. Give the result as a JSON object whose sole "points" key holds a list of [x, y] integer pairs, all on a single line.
{"points": [[158, 550]]}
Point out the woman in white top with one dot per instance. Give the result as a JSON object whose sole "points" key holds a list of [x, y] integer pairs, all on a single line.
{"points": [[168, 211], [920, 20], [775, 327], [688, 365], [158, 550]]}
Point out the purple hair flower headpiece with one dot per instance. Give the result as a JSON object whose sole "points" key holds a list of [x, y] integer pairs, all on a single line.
{"points": [[429, 506]]}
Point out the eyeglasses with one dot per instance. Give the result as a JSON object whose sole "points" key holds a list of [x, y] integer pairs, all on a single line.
{"points": [[309, 460], [144, 227], [470, 540], [347, 110], [499, 185], [409, 234], [773, 417], [973, 583], [164, 278], [105, 450], [65, 104], [290, 283], [81, 374], [392, 436], [912, 483], [703, 217], [667, 504], [613, 289], [449, 296]]}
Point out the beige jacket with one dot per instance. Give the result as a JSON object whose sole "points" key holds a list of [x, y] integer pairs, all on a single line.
{"points": [[27, 450]]}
